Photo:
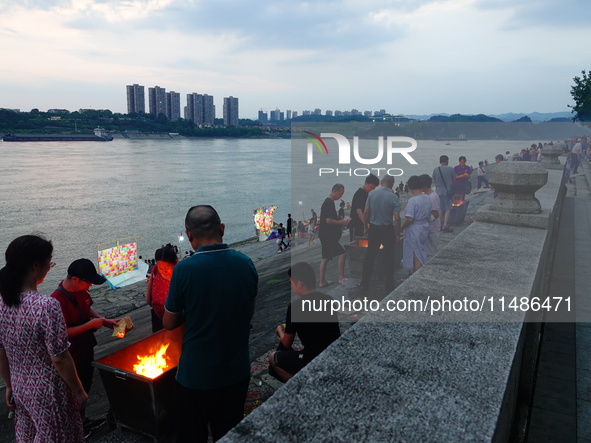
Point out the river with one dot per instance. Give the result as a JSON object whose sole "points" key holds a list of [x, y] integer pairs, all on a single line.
{"points": [[83, 194]]}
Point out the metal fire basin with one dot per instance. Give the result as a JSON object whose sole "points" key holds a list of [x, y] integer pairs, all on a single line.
{"points": [[356, 254], [140, 403], [458, 213]]}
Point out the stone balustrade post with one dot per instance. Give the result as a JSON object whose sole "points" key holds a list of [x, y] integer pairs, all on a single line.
{"points": [[516, 204], [517, 183], [550, 154]]}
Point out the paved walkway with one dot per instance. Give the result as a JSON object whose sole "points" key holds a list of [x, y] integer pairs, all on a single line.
{"points": [[561, 409]]}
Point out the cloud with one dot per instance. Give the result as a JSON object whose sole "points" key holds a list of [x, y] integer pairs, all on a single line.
{"points": [[323, 24], [11, 5], [393, 54], [115, 11], [563, 15]]}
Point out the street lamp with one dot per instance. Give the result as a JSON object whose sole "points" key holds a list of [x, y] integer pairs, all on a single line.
{"points": [[181, 239], [301, 203]]}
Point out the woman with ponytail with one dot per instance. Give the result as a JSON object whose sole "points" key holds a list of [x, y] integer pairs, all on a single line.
{"points": [[41, 381]]}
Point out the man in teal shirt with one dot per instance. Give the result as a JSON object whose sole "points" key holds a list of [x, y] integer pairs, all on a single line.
{"points": [[212, 293]]}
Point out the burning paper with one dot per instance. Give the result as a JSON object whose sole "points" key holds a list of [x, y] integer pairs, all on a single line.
{"points": [[125, 324], [152, 365]]}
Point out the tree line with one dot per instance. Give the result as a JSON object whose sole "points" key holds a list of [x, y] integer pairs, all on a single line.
{"points": [[85, 121]]}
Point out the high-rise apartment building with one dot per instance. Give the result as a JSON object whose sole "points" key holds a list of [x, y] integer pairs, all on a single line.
{"points": [[194, 108], [288, 114], [157, 100], [200, 109], [208, 110], [275, 115], [230, 111], [173, 106], [263, 118], [136, 99]]}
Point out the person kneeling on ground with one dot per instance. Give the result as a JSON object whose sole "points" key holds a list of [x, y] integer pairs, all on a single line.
{"points": [[316, 329]]}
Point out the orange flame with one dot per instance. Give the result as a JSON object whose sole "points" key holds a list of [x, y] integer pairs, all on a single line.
{"points": [[457, 201], [363, 243], [152, 365]]}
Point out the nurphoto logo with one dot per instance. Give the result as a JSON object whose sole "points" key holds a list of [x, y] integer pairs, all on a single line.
{"points": [[385, 149]]}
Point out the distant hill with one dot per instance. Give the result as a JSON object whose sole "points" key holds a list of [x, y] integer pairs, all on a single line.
{"points": [[507, 117], [535, 116], [464, 118]]}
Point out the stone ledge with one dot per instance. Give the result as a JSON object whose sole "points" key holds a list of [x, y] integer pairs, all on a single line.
{"points": [[537, 221]]}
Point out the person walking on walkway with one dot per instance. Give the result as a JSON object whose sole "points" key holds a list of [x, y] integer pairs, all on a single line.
{"points": [[382, 213], [212, 293], [482, 180], [289, 226]]}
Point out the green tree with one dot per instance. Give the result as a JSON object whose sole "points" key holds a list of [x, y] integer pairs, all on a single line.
{"points": [[581, 93]]}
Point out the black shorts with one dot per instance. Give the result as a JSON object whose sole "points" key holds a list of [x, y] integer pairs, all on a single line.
{"points": [[331, 248], [291, 361]]}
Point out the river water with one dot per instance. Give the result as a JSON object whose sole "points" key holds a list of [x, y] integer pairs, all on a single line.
{"points": [[81, 194], [84, 194]]}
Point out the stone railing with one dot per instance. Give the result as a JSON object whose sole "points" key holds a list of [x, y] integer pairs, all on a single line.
{"points": [[403, 376]]}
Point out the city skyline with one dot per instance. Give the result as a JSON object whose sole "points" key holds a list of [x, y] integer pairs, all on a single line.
{"points": [[420, 57]]}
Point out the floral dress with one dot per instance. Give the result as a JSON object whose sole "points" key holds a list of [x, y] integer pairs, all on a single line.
{"points": [[30, 334]]}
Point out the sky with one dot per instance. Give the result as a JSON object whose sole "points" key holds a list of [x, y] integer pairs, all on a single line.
{"points": [[404, 56]]}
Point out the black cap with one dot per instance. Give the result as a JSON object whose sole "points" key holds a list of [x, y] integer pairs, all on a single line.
{"points": [[84, 269]]}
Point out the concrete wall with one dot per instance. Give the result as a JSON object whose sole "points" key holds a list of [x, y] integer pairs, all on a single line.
{"points": [[421, 377]]}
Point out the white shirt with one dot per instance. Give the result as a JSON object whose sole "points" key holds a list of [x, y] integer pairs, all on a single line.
{"points": [[577, 149]]}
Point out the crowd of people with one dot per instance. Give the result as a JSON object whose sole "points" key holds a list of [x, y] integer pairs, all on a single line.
{"points": [[376, 215]]}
